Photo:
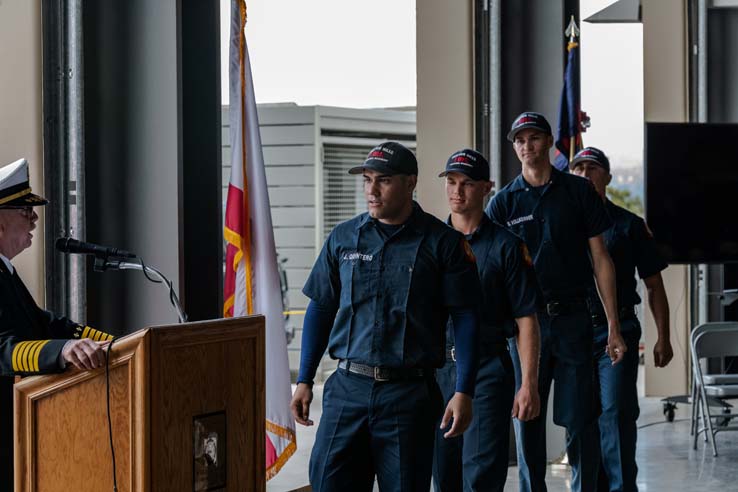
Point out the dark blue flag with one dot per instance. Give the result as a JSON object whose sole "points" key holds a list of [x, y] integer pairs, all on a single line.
{"points": [[571, 118]]}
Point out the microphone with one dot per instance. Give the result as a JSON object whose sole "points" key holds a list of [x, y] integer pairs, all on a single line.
{"points": [[72, 246]]}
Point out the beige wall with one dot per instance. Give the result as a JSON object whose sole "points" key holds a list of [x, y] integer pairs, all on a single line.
{"points": [[445, 115], [20, 113], [666, 99]]}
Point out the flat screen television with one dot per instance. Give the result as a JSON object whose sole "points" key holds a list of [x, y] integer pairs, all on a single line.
{"points": [[691, 190]]}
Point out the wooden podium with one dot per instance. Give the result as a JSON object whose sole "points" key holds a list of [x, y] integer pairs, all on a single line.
{"points": [[187, 413]]}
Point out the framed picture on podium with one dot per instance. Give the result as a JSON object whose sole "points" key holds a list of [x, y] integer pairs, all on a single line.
{"points": [[209, 452]]}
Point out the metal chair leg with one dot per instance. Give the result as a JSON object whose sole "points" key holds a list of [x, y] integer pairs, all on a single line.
{"points": [[693, 422], [706, 403]]}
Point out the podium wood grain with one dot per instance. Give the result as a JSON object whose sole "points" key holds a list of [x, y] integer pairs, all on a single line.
{"points": [[161, 378]]}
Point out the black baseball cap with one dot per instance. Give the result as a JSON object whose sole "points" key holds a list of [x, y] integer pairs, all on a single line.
{"points": [[389, 158], [468, 162], [592, 154], [529, 119]]}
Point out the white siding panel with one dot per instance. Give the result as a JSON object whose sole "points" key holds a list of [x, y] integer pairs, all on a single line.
{"points": [[296, 277], [285, 114], [287, 135], [289, 155], [290, 176], [303, 196], [270, 114], [293, 216], [279, 155], [299, 237], [297, 257], [298, 300], [279, 135]]}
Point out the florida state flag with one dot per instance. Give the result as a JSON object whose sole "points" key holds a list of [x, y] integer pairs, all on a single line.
{"points": [[251, 283]]}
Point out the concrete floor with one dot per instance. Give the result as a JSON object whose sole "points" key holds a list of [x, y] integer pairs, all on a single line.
{"points": [[665, 457]]}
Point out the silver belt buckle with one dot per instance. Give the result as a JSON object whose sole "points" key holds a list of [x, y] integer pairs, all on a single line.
{"points": [[453, 354], [378, 375]]}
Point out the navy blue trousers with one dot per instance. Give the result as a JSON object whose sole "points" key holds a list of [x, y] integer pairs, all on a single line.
{"points": [[566, 360], [478, 460], [374, 429], [619, 400]]}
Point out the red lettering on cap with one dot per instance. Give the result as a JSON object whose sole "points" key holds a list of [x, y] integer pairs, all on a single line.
{"points": [[376, 153]]}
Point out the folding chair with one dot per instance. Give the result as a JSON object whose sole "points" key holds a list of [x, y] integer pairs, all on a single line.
{"points": [[711, 379], [722, 342]]}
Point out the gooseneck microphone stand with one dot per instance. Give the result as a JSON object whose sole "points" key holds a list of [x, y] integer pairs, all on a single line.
{"points": [[105, 263]]}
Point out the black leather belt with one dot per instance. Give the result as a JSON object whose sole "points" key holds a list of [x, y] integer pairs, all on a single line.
{"points": [[383, 373], [561, 308]]}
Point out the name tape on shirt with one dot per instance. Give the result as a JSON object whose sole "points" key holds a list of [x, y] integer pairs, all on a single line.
{"points": [[355, 255], [520, 220]]}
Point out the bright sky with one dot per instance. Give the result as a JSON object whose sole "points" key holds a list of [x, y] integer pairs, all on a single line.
{"points": [[329, 52], [362, 55], [612, 86]]}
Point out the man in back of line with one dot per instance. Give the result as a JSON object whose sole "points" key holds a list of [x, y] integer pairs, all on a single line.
{"points": [[632, 247]]}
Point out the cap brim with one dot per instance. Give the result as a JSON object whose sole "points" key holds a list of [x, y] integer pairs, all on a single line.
{"points": [[28, 200], [460, 171], [512, 133], [577, 160], [372, 167]]}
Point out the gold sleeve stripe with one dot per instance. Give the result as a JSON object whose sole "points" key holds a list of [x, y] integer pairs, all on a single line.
{"points": [[96, 335], [32, 351], [37, 354], [24, 355], [16, 349]]}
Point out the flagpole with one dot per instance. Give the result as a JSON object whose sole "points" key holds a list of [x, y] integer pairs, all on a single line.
{"points": [[572, 31]]}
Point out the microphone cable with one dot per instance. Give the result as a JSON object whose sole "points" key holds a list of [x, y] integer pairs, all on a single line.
{"points": [[173, 300], [110, 421]]}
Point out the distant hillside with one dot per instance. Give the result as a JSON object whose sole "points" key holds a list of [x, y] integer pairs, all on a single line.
{"points": [[630, 179]]}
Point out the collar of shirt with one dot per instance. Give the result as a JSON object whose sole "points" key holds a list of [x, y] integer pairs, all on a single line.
{"points": [[485, 222], [416, 220], [8, 265], [520, 183]]}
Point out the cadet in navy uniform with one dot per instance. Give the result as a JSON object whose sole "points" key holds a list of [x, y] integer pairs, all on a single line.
{"points": [[381, 292], [562, 220], [508, 309], [32, 341], [631, 246]]}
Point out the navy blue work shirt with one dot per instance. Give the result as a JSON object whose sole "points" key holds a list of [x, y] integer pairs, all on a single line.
{"points": [[393, 293], [631, 246], [555, 221], [508, 282]]}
